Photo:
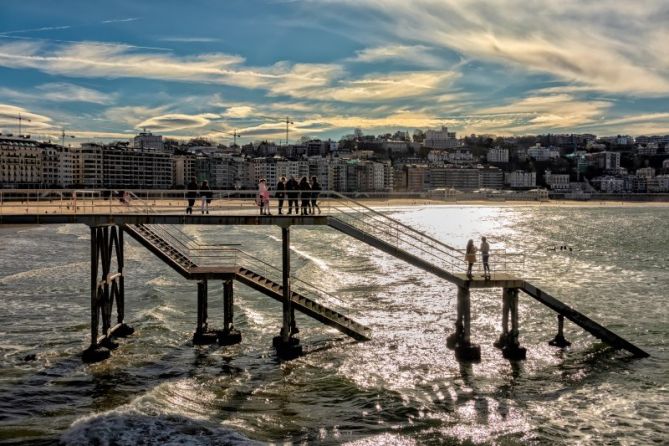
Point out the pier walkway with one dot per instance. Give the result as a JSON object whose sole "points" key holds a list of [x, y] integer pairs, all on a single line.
{"points": [[153, 218]]}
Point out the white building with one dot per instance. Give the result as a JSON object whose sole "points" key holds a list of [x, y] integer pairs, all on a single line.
{"points": [[20, 162], [610, 185], [658, 184], [441, 139], [543, 153], [521, 179], [557, 182], [148, 141], [498, 155], [646, 172], [608, 160], [649, 150]]}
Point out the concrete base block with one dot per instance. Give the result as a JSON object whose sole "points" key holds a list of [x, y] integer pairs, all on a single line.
{"points": [[452, 340], [287, 350], [109, 344], [468, 353], [123, 331], [559, 341], [501, 342], [205, 338], [230, 337], [95, 354], [514, 352]]}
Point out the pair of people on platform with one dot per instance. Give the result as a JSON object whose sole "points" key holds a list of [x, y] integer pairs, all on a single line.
{"points": [[203, 191], [470, 257], [304, 191]]}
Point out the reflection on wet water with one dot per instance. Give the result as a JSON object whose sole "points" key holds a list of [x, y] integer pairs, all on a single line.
{"points": [[402, 387]]}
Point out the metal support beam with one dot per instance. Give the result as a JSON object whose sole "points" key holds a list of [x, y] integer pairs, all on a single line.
{"points": [[202, 335], [107, 287], [559, 339], [286, 345], [461, 339], [511, 348], [229, 335]]}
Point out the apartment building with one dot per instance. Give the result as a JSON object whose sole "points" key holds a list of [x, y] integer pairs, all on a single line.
{"points": [[125, 167], [20, 162]]}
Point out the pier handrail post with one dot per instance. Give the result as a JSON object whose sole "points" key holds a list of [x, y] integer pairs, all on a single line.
{"points": [[285, 268]]}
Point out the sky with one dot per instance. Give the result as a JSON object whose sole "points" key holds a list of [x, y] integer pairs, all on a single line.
{"points": [[105, 70]]}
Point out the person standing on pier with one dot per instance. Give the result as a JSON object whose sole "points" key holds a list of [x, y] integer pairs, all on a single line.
{"points": [[263, 198], [291, 188], [281, 193], [315, 191], [205, 193], [470, 257], [485, 257], [191, 195], [305, 190]]}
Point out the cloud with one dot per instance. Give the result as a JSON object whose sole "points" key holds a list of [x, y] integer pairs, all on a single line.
{"points": [[415, 54], [239, 111], [132, 115], [606, 45], [189, 39], [65, 92], [177, 121]]}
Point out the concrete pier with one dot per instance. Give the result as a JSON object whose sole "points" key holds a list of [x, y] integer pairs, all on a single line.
{"points": [[203, 335]]}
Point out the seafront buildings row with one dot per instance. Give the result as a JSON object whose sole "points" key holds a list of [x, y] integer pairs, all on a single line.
{"points": [[432, 160]]}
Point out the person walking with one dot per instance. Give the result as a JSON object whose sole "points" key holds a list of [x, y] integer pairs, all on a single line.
{"points": [[315, 192], [485, 257], [205, 193], [305, 192], [263, 197], [470, 257], [191, 195], [281, 193], [292, 193]]}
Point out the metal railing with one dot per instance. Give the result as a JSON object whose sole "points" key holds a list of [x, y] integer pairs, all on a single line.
{"points": [[244, 202], [224, 255]]}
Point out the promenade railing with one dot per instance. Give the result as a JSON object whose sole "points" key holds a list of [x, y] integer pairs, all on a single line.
{"points": [[373, 221]]}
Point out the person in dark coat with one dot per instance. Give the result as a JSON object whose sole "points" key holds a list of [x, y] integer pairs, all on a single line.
{"points": [[205, 193], [315, 192], [191, 195], [281, 193], [292, 189], [305, 192]]}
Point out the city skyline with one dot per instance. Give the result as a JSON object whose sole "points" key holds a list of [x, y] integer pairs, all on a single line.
{"points": [[208, 69]]}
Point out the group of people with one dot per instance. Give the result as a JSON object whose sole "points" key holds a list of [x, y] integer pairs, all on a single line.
{"points": [[470, 257], [301, 196], [194, 191]]}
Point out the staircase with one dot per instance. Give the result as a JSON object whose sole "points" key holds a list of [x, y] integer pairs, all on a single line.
{"points": [[425, 252], [170, 246]]}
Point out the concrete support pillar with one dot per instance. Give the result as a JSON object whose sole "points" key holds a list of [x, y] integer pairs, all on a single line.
{"points": [[559, 339], [506, 306], [202, 335], [287, 346], [229, 335], [461, 339], [511, 348]]}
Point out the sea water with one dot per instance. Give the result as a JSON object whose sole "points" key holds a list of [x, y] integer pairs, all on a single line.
{"points": [[402, 387]]}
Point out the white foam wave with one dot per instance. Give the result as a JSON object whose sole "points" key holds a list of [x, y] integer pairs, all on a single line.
{"points": [[47, 270], [162, 281]]}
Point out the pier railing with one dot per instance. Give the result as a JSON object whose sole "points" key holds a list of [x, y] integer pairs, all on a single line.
{"points": [[375, 222], [203, 254]]}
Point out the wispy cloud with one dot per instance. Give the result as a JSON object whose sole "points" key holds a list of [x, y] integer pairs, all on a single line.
{"points": [[606, 45], [177, 39], [31, 121], [419, 55], [59, 92], [177, 121], [128, 19]]}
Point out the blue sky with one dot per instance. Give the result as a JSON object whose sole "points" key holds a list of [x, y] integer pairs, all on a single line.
{"points": [[206, 68]]}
